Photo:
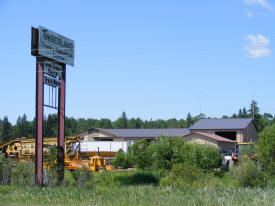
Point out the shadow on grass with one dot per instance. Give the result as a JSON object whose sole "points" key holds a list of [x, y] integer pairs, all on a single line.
{"points": [[139, 178]]}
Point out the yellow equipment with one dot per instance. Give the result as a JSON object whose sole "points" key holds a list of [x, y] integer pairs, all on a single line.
{"points": [[95, 163], [23, 149]]}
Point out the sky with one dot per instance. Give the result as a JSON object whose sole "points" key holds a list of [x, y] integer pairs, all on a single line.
{"points": [[154, 59]]}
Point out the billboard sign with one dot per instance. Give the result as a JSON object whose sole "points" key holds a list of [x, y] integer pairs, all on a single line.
{"points": [[55, 46], [52, 69], [51, 81]]}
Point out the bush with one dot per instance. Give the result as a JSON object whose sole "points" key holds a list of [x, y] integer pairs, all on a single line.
{"points": [[182, 176], [266, 146], [6, 166], [81, 176], [140, 155], [122, 160], [68, 178], [138, 177], [203, 156], [249, 174], [22, 173], [165, 152]]}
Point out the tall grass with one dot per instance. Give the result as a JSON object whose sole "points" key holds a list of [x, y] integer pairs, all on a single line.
{"points": [[134, 195]]}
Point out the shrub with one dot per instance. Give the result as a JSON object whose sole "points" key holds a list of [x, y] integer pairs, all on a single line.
{"points": [[81, 176], [266, 146], [5, 170], [68, 178], [181, 175], [122, 160], [140, 155], [203, 156], [22, 173], [249, 174], [165, 152]]}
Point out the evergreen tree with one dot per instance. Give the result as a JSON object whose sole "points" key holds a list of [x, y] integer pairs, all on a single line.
{"points": [[172, 123], [139, 123], [189, 120], [18, 128], [240, 114], [105, 124], [181, 123], [244, 113], [6, 129], [121, 122], [254, 112], [1, 123], [132, 123], [234, 115]]}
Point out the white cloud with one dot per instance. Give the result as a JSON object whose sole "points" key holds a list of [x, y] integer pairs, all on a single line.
{"points": [[248, 13], [263, 3], [257, 46]]}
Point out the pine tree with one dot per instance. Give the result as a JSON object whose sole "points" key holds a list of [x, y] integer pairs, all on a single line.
{"points": [[245, 115], [1, 123], [6, 129], [254, 112], [240, 114], [189, 120]]}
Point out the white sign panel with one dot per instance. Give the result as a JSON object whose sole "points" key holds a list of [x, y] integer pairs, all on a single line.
{"points": [[52, 69], [52, 81], [55, 46]]}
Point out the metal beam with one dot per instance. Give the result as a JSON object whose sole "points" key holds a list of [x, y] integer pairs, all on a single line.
{"points": [[61, 125], [39, 121]]}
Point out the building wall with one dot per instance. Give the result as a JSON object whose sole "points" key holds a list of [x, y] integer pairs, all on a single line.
{"points": [[252, 132], [91, 136], [196, 138]]}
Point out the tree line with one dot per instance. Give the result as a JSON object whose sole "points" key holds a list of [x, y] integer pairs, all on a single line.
{"points": [[26, 128]]}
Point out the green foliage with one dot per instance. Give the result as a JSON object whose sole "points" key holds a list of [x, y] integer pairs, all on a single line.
{"points": [[266, 146], [16, 173], [164, 152], [81, 176], [6, 129], [182, 176], [122, 160], [140, 155], [6, 166], [22, 173], [138, 177], [203, 156], [249, 174]]}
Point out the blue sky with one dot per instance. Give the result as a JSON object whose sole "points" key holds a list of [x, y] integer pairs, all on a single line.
{"points": [[152, 59]]}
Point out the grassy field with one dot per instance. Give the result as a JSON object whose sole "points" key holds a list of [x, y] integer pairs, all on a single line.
{"points": [[134, 195]]}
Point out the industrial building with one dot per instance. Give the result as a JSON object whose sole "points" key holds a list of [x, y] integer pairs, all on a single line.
{"points": [[240, 130]]}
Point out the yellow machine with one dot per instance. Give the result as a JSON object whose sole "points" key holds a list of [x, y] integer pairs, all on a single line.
{"points": [[23, 149], [95, 163]]}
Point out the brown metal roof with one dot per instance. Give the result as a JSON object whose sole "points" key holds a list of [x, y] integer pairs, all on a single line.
{"points": [[215, 137]]}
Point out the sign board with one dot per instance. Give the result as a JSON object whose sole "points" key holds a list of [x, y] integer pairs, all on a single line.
{"points": [[52, 69], [51, 81], [55, 46]]}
